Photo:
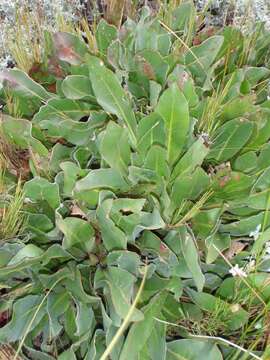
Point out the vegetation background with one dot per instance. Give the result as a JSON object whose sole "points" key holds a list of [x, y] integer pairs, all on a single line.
{"points": [[165, 234]]}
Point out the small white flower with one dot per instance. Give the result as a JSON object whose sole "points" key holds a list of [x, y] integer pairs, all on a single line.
{"points": [[255, 233], [251, 266], [237, 271], [258, 325], [27, 200], [267, 248]]}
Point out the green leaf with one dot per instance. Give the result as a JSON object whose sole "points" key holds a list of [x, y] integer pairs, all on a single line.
{"points": [[258, 282], [199, 58], [23, 313], [189, 186], [189, 349], [77, 87], [255, 74], [85, 319], [191, 159], [182, 78], [229, 139], [173, 108], [57, 304], [233, 318], [102, 179], [59, 153], [239, 107], [75, 132], [232, 185], [62, 109], [264, 157], [113, 237], [150, 35], [76, 288], [129, 205], [150, 131], [114, 147], [40, 189], [105, 34], [67, 355], [53, 252], [246, 162], [77, 232], [126, 260], [244, 226], [71, 174], [21, 84], [156, 160], [135, 342], [190, 254], [182, 16], [118, 55], [19, 131], [220, 241], [155, 347], [153, 65], [28, 251], [121, 287], [111, 96], [97, 346], [154, 91]]}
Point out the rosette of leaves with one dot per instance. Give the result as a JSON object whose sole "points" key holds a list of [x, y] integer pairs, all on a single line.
{"points": [[148, 159]]}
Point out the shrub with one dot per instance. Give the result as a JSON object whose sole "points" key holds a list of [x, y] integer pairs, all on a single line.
{"points": [[150, 164]]}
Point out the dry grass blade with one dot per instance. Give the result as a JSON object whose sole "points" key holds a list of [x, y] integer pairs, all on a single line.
{"points": [[12, 217], [24, 47], [183, 43], [7, 353], [114, 11], [91, 40], [193, 211]]}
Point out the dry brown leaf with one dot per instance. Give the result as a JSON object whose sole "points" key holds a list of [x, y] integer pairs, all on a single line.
{"points": [[236, 248], [8, 353], [76, 211]]}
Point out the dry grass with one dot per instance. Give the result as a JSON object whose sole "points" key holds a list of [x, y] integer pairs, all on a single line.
{"points": [[12, 216], [7, 353], [25, 44]]}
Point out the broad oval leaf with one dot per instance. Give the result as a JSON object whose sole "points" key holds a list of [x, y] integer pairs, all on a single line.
{"points": [[111, 96], [24, 315], [199, 58], [191, 256], [121, 286], [135, 342], [62, 109], [20, 132], [21, 84], [191, 159], [40, 189], [114, 147], [173, 108], [189, 349], [105, 34], [77, 87], [77, 232], [102, 179], [229, 139]]}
